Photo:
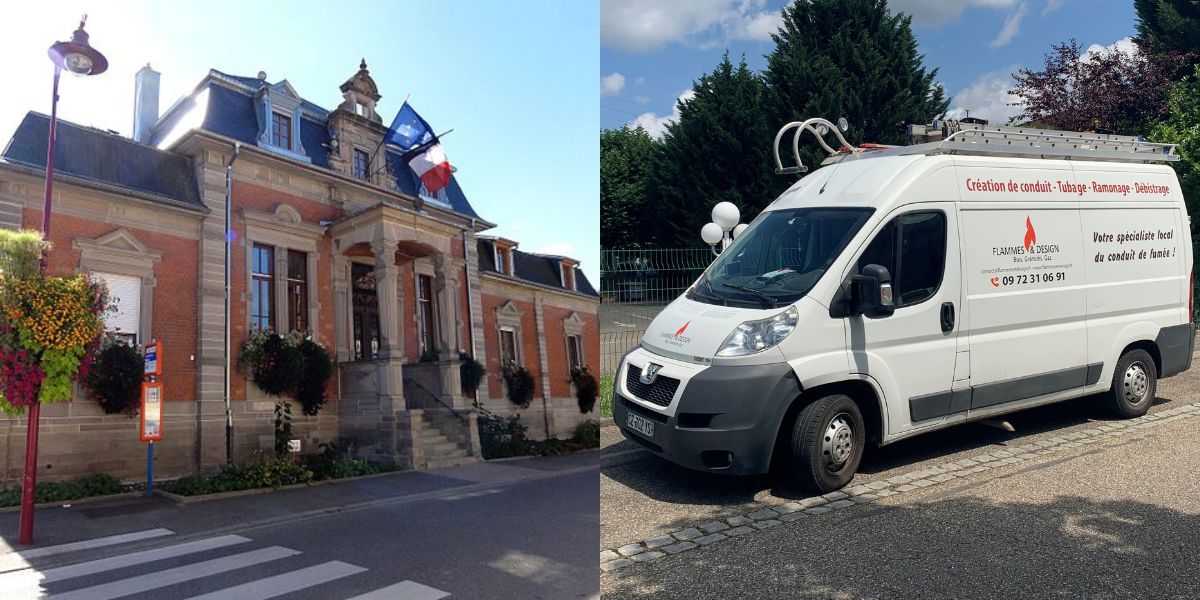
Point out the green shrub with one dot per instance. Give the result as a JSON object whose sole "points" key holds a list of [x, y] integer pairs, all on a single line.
{"points": [[587, 434], [21, 252], [500, 437], [115, 377], [520, 386], [316, 367], [470, 373], [96, 484], [271, 473], [586, 389]]}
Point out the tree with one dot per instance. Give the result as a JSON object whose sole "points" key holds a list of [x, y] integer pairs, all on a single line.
{"points": [[853, 59], [1182, 126], [625, 156], [718, 150], [1168, 26], [1107, 90]]}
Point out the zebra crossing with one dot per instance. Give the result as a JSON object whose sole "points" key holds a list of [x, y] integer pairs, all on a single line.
{"points": [[176, 571]]}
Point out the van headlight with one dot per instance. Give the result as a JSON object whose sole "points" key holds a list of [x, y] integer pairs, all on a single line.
{"points": [[756, 336]]}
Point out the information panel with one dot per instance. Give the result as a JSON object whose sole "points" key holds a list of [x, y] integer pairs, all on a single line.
{"points": [[151, 419]]}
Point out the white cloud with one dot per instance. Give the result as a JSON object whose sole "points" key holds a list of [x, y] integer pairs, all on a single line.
{"points": [[647, 25], [641, 80], [987, 98], [934, 13], [1051, 6], [558, 249], [1125, 45], [612, 84], [642, 99], [656, 125], [1011, 27]]}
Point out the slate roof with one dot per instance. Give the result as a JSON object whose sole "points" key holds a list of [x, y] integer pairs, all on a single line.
{"points": [[534, 268], [102, 157], [230, 113]]}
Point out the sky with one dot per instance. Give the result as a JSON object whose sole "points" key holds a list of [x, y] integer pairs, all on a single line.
{"points": [[517, 91], [652, 50]]}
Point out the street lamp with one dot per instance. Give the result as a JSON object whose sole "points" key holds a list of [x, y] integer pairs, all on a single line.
{"points": [[79, 58], [724, 227]]}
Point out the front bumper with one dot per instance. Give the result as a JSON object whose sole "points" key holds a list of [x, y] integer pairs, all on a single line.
{"points": [[722, 418]]}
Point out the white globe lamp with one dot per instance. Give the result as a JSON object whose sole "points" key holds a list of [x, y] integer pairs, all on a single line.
{"points": [[726, 215], [739, 229], [711, 234]]}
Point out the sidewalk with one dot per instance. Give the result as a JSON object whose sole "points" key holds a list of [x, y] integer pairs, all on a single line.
{"points": [[1113, 519], [54, 526]]}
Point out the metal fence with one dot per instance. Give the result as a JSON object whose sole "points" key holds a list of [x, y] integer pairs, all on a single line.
{"points": [[634, 286]]}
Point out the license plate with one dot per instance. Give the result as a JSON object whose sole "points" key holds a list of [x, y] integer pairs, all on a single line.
{"points": [[640, 424]]}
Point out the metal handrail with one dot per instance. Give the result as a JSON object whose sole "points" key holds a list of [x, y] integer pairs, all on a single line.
{"points": [[435, 397]]}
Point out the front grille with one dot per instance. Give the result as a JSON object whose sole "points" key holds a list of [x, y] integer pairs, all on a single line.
{"points": [[659, 393]]}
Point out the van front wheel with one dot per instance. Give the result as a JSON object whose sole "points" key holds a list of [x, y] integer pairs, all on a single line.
{"points": [[1134, 384], [828, 438]]}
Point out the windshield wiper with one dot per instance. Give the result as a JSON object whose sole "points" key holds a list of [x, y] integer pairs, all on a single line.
{"points": [[771, 301], [710, 294]]}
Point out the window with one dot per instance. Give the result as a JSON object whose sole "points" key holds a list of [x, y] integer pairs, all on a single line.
{"points": [[281, 130], [919, 240], [362, 164], [297, 290], [262, 287], [779, 258], [365, 312], [568, 276], [425, 314], [508, 348], [503, 260], [574, 351], [124, 292]]}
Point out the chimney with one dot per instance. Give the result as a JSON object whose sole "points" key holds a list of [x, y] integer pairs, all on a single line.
{"points": [[145, 103]]}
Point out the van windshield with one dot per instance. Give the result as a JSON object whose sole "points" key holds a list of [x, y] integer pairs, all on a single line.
{"points": [[779, 257]]}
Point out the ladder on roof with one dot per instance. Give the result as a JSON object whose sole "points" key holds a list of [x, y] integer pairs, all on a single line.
{"points": [[984, 140]]}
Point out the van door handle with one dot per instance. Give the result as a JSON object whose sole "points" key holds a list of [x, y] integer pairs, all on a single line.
{"points": [[947, 316]]}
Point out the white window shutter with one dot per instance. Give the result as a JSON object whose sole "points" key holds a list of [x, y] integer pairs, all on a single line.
{"points": [[125, 292]]}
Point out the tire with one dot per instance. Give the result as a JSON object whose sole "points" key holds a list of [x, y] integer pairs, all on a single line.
{"points": [[827, 443], [1134, 384]]}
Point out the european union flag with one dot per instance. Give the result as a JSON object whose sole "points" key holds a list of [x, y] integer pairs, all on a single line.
{"points": [[409, 131]]}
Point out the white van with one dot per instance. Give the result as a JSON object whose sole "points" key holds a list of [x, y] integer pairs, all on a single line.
{"points": [[899, 291]]}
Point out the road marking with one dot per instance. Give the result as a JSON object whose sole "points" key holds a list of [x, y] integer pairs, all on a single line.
{"points": [[93, 543], [405, 590], [151, 581], [25, 580], [285, 583]]}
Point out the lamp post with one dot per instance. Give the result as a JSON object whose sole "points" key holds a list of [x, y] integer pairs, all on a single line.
{"points": [[724, 227], [77, 57]]}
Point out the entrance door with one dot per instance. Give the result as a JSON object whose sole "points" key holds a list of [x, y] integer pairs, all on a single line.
{"points": [[365, 311], [911, 353]]}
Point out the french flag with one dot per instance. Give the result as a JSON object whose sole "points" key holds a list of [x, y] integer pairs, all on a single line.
{"points": [[420, 147], [431, 165]]}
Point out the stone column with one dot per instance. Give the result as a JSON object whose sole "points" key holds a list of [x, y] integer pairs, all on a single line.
{"points": [[341, 307], [445, 291], [391, 355]]}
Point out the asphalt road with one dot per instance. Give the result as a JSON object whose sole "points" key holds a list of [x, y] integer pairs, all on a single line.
{"points": [[522, 529], [628, 316], [1113, 519]]}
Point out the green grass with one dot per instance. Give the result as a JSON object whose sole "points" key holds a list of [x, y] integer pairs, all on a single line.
{"points": [[606, 396]]}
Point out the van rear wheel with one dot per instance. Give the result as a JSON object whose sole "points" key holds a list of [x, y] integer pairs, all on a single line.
{"points": [[1134, 384], [827, 443]]}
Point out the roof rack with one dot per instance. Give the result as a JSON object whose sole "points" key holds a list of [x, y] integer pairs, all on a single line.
{"points": [[984, 140]]}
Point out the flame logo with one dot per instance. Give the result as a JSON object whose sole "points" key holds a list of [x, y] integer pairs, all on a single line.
{"points": [[682, 329], [1030, 235]]}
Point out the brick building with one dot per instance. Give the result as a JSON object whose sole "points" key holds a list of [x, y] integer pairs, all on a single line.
{"points": [[331, 234]]}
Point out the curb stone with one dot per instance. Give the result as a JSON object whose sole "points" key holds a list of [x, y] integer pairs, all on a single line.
{"points": [[775, 515]]}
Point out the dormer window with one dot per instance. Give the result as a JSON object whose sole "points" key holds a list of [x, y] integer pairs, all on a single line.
{"points": [[568, 276], [503, 260], [439, 197], [362, 165], [281, 131]]}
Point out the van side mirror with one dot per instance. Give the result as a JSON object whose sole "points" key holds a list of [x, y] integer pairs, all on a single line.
{"points": [[871, 292]]}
